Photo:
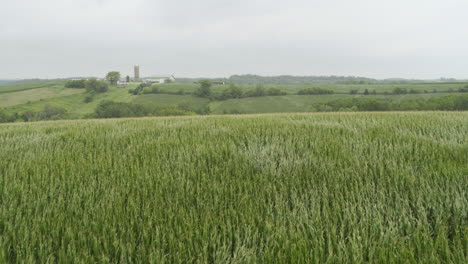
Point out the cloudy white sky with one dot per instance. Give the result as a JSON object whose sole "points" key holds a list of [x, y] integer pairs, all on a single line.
{"points": [[373, 38]]}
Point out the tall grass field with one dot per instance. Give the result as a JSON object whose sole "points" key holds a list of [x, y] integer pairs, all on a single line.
{"points": [[280, 188]]}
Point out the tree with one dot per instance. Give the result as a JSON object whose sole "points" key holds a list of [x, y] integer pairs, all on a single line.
{"points": [[260, 90], [234, 91], [3, 116], [75, 84], [399, 90], [127, 78], [205, 89], [94, 85], [366, 92], [113, 77]]}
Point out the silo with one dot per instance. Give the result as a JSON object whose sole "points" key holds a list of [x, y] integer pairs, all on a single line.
{"points": [[137, 72]]}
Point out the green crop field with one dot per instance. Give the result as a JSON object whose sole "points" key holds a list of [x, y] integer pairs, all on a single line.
{"points": [[280, 188], [16, 87]]}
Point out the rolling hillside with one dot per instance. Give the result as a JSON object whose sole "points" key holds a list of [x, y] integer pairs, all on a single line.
{"points": [[20, 98]]}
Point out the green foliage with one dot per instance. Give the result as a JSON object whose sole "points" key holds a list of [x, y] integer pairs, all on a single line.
{"points": [[296, 188], [399, 90], [127, 79], [113, 77], [259, 90], [94, 85], [204, 90], [315, 90], [275, 92], [155, 89], [49, 112], [353, 91], [4, 117], [205, 110], [75, 84], [446, 103], [88, 99], [140, 88], [231, 93], [298, 80], [110, 109]]}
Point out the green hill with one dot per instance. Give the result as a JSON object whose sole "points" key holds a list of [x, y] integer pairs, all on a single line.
{"points": [[21, 98]]}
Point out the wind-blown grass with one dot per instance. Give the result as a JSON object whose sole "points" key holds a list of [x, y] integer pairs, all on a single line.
{"points": [[359, 187]]}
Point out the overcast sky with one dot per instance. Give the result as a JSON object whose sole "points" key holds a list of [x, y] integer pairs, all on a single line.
{"points": [[373, 38]]}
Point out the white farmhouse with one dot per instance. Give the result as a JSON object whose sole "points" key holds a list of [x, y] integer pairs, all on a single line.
{"points": [[160, 79]]}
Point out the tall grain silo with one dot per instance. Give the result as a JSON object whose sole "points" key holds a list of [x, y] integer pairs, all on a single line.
{"points": [[137, 72]]}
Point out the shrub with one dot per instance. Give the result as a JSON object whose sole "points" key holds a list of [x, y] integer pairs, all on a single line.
{"points": [[94, 85], [4, 117], [204, 90], [399, 90], [139, 89], [49, 112], [88, 99], [110, 109], [75, 84], [232, 92], [414, 91], [275, 92], [314, 90]]}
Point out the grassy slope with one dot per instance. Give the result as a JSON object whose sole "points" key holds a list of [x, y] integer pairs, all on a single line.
{"points": [[7, 88], [31, 95], [74, 103], [337, 188]]}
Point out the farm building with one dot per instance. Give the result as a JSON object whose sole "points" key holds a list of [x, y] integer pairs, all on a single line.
{"points": [[160, 79], [121, 84]]}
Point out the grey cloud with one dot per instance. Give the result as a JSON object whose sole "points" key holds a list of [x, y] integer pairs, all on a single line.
{"points": [[375, 38]]}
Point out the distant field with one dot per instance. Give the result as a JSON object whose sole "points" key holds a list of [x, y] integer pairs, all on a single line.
{"points": [[280, 188], [8, 88], [31, 95], [19, 98]]}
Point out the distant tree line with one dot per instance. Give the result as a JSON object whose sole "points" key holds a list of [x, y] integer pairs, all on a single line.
{"points": [[49, 112], [235, 92], [445, 103], [110, 109], [315, 90], [251, 79], [91, 85], [298, 80]]}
